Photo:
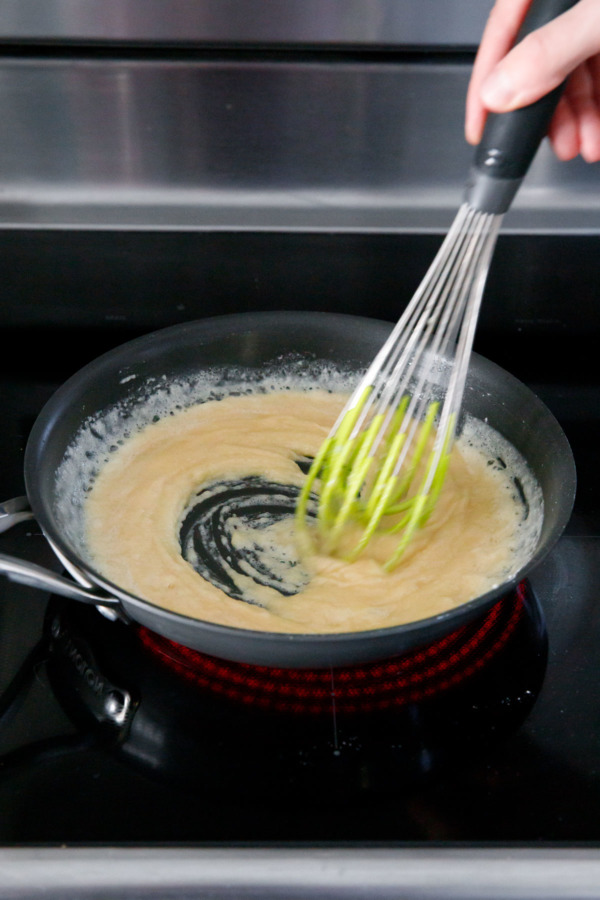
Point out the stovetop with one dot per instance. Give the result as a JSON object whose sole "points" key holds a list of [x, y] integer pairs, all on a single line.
{"points": [[240, 774], [490, 786]]}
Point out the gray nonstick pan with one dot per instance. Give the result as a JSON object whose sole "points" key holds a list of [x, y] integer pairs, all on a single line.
{"points": [[254, 344]]}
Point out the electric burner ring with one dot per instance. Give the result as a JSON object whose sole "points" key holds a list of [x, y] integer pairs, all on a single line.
{"points": [[416, 676]]}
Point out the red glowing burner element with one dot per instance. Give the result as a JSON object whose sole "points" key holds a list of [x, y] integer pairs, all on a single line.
{"points": [[411, 678]]}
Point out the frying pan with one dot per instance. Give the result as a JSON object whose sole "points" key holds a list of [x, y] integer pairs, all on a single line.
{"points": [[248, 346]]}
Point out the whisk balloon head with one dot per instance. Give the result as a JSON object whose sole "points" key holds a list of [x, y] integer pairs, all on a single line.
{"points": [[383, 465], [382, 469]]}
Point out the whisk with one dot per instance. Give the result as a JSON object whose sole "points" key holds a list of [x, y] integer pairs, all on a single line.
{"points": [[384, 462]]}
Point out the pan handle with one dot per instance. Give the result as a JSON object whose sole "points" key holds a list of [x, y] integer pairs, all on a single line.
{"points": [[18, 510], [36, 576], [14, 511]]}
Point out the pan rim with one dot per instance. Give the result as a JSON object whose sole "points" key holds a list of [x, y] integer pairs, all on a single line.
{"points": [[244, 322]]}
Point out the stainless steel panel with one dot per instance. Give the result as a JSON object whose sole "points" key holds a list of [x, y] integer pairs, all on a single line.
{"points": [[253, 145], [373, 23], [326, 874]]}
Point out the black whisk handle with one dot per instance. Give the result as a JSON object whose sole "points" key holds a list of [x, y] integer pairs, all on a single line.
{"points": [[511, 140]]}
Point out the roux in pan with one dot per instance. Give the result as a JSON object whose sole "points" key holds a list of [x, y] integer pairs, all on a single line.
{"points": [[476, 538]]}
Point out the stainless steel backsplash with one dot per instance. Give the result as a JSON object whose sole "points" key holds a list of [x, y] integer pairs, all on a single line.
{"points": [[340, 23], [285, 142], [163, 167]]}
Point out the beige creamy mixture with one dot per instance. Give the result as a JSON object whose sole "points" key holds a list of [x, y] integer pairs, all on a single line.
{"points": [[134, 510]]}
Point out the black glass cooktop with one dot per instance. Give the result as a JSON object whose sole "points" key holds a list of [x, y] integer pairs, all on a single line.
{"points": [[111, 735]]}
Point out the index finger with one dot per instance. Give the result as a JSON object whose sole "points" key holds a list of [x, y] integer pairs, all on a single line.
{"points": [[503, 24]]}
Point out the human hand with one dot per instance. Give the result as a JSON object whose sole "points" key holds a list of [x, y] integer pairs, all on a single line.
{"points": [[505, 79]]}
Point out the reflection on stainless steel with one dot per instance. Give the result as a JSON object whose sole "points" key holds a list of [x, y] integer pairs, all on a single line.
{"points": [[359, 22], [253, 145], [286, 873]]}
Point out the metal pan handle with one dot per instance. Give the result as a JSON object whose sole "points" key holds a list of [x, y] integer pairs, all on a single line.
{"points": [[36, 576], [14, 511], [32, 575]]}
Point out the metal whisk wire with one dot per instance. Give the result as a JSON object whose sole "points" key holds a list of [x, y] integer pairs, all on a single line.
{"points": [[403, 413]]}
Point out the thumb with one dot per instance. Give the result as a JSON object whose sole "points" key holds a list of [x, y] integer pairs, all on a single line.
{"points": [[544, 58]]}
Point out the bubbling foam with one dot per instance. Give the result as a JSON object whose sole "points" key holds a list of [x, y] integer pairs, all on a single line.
{"points": [[517, 478]]}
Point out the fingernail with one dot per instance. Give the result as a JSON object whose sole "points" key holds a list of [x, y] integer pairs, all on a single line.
{"points": [[497, 90]]}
